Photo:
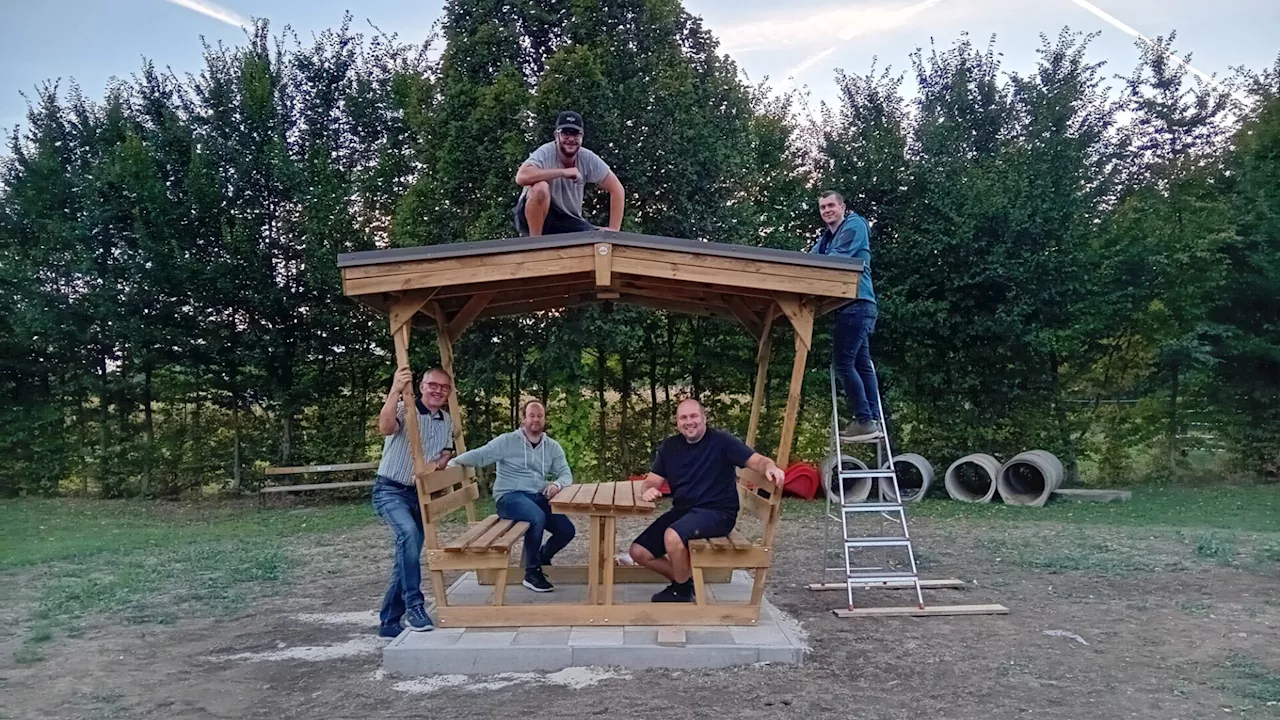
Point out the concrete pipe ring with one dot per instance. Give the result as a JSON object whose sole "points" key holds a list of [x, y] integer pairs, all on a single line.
{"points": [[972, 478], [913, 481], [1029, 478], [856, 490]]}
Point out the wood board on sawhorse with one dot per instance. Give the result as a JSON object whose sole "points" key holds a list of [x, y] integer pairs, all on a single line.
{"points": [[923, 611], [905, 585]]}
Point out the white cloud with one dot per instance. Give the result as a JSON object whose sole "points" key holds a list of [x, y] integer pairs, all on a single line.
{"points": [[833, 23], [215, 11]]}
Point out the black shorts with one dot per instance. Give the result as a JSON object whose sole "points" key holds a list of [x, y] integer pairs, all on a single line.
{"points": [[557, 222], [689, 524]]}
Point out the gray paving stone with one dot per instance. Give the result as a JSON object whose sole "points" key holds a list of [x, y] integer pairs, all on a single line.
{"points": [[487, 639], [703, 656], [640, 636], [442, 637], [761, 635], [595, 636], [544, 637], [477, 660], [779, 654], [709, 637]]}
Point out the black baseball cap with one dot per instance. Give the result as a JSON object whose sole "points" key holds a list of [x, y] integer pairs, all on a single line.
{"points": [[569, 119]]}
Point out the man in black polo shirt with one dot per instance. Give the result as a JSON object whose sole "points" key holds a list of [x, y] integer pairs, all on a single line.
{"points": [[700, 466]]}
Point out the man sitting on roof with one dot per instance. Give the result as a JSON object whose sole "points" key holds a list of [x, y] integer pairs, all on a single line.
{"points": [[554, 178], [526, 457], [699, 464]]}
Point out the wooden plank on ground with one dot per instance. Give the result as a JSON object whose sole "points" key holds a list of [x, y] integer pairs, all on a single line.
{"points": [[1085, 495], [474, 532], [503, 543], [299, 469], [895, 585], [315, 486], [671, 637], [491, 535], [930, 610]]}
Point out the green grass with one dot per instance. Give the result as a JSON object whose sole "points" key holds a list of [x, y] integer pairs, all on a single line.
{"points": [[149, 561], [1250, 680], [1217, 546], [38, 531], [1246, 508]]}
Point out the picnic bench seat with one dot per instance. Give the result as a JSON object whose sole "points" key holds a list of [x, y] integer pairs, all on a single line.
{"points": [[488, 544], [757, 496]]}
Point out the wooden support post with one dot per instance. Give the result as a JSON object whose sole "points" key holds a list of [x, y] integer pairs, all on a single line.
{"points": [[455, 408], [593, 557], [801, 315], [744, 315], [610, 549], [762, 373]]}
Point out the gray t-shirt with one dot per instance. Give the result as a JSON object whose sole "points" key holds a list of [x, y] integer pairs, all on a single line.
{"points": [[566, 194]]}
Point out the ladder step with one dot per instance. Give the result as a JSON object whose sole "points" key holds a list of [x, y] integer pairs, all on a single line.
{"points": [[878, 542], [872, 507], [867, 578], [866, 474], [868, 441]]}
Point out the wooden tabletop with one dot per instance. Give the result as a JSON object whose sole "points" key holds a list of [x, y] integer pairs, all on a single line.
{"points": [[611, 498]]}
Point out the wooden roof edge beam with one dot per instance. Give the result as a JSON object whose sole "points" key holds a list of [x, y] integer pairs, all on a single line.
{"points": [[744, 315]]}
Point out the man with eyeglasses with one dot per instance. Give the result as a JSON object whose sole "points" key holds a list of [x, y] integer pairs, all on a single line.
{"points": [[554, 178], [395, 494]]}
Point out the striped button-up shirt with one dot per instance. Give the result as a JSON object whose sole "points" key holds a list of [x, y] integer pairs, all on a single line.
{"points": [[436, 431]]}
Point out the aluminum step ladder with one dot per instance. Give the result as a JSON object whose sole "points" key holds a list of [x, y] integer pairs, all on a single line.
{"points": [[856, 540]]}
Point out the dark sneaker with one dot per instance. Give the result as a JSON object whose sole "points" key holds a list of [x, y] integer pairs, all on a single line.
{"points": [[537, 582], [861, 432], [418, 619], [675, 592], [389, 631]]}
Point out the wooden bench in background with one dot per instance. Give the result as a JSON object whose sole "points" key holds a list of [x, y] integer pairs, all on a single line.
{"points": [[308, 469]]}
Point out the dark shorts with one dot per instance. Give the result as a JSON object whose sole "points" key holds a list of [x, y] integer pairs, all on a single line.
{"points": [[557, 222], [689, 524]]}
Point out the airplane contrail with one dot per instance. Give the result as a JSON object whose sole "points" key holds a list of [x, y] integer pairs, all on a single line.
{"points": [[215, 11], [1114, 22], [881, 20]]}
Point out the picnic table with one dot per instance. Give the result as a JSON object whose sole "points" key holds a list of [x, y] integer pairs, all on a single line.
{"points": [[603, 504]]}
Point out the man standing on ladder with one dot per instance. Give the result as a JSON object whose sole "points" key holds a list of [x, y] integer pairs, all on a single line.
{"points": [[554, 178], [846, 234]]}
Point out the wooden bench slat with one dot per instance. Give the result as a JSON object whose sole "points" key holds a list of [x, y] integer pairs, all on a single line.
{"points": [[740, 541], [481, 544], [721, 544], [625, 495], [513, 534], [699, 546], [604, 494], [585, 496], [566, 495], [437, 480], [474, 532], [441, 506], [316, 486]]}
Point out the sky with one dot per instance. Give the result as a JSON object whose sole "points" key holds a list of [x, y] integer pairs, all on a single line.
{"points": [[796, 43]]}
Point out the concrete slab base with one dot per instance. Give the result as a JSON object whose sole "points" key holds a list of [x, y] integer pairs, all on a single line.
{"points": [[486, 651]]}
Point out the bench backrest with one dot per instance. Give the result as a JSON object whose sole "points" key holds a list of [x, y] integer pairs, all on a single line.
{"points": [[759, 496], [440, 492]]}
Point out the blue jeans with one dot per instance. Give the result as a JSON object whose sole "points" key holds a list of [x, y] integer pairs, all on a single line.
{"points": [[535, 509], [398, 507], [851, 359]]}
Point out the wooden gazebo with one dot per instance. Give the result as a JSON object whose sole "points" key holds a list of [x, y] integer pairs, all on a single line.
{"points": [[450, 286]]}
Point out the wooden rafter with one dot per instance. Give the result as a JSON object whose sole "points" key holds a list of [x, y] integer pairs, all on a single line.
{"points": [[744, 315], [468, 313]]}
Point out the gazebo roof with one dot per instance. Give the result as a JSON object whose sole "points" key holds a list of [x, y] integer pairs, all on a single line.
{"points": [[466, 281]]}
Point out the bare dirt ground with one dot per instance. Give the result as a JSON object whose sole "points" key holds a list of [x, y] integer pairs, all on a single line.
{"points": [[1161, 632]]}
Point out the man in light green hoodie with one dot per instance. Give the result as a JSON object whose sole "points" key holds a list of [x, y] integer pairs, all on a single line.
{"points": [[526, 458]]}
